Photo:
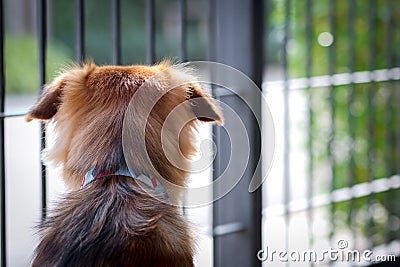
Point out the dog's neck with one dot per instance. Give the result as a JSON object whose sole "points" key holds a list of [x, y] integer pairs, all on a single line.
{"points": [[151, 182]]}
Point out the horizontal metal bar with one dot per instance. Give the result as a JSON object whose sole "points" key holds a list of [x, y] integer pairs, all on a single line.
{"points": [[340, 195], [5, 115], [229, 228], [382, 75]]}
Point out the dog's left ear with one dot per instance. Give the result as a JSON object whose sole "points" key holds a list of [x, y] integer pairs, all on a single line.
{"points": [[48, 103], [203, 105]]}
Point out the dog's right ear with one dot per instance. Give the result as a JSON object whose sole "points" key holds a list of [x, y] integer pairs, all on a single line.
{"points": [[49, 101]]}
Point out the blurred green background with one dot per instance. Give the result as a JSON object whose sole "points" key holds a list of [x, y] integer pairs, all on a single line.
{"points": [[21, 43], [353, 129]]}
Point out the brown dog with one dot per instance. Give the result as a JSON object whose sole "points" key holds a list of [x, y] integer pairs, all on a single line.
{"points": [[116, 220]]}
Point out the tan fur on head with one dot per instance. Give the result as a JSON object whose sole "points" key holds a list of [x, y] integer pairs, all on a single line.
{"points": [[87, 105], [113, 221]]}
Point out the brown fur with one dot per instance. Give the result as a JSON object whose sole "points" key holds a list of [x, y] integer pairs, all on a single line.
{"points": [[113, 221]]}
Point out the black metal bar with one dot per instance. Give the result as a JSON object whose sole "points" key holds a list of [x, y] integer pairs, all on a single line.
{"points": [[286, 123], [182, 53], [42, 45], [371, 112], [332, 104], [212, 24], [257, 25], [3, 231], [351, 119], [80, 30], [257, 53], [116, 32], [216, 131], [309, 66], [182, 29], [150, 32], [398, 117], [4, 115]]}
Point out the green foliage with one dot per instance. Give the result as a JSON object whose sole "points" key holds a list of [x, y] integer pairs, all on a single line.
{"points": [[21, 63], [370, 21], [21, 51], [354, 127], [98, 33]]}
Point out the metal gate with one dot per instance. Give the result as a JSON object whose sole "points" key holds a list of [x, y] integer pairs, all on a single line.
{"points": [[331, 71]]}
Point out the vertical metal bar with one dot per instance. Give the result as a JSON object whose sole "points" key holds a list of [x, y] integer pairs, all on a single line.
{"points": [[3, 243], [116, 32], [42, 40], [388, 115], [398, 117], [80, 30], [182, 40], [332, 104], [182, 29], [239, 206], [286, 122], [150, 30], [212, 26], [371, 111], [257, 52], [216, 131], [351, 119], [309, 51]]}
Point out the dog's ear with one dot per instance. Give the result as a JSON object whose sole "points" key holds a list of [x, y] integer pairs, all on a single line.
{"points": [[49, 101], [203, 105]]}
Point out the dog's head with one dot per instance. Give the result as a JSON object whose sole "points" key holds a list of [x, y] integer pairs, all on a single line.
{"points": [[88, 104]]}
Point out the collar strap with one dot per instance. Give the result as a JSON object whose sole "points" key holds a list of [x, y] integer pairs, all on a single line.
{"points": [[93, 174]]}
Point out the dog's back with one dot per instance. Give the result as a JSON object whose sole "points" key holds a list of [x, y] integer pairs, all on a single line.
{"points": [[114, 222]]}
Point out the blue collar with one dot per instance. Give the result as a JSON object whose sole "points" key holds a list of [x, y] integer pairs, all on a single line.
{"points": [[93, 174]]}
